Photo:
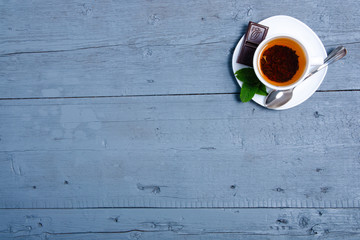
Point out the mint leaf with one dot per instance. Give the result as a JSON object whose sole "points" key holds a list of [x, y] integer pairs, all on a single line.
{"points": [[247, 92], [247, 75], [262, 90], [251, 84]]}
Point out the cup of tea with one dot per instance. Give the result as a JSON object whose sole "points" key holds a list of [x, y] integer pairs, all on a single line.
{"points": [[282, 62]]}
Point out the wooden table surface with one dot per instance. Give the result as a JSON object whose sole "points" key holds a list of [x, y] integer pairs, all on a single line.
{"points": [[122, 120]]}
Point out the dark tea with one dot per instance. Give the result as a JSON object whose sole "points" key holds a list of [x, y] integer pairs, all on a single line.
{"points": [[282, 62]]}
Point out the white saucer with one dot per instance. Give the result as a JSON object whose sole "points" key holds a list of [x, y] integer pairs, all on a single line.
{"points": [[286, 24]]}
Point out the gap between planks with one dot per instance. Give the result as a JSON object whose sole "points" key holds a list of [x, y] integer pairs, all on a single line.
{"points": [[123, 44], [154, 95], [174, 208]]}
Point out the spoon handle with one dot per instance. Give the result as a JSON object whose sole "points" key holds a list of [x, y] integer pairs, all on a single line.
{"points": [[333, 52], [335, 55]]}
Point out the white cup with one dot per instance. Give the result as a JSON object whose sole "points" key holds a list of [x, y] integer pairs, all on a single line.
{"points": [[305, 61]]}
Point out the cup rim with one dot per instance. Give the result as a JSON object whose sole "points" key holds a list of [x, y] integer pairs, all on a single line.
{"points": [[256, 55]]}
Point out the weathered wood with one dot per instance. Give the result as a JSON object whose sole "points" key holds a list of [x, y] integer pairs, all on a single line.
{"points": [[57, 49], [188, 151], [134, 224], [53, 25], [179, 151]]}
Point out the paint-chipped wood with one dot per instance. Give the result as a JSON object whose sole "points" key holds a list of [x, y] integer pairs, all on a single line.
{"points": [[179, 151], [88, 224], [60, 49]]}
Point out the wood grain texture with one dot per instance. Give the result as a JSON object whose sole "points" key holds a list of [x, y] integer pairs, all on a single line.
{"points": [[132, 104], [86, 48], [136, 224], [179, 151]]}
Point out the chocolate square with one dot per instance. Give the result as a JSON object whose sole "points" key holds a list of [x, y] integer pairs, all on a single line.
{"points": [[255, 34]]}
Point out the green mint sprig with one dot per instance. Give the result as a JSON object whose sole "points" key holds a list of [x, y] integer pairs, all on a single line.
{"points": [[251, 84]]}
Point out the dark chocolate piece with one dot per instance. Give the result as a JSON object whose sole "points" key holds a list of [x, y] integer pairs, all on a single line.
{"points": [[255, 34]]}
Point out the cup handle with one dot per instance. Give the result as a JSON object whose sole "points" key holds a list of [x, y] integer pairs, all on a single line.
{"points": [[316, 61]]}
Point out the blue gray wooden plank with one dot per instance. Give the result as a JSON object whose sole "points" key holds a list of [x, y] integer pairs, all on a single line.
{"points": [[58, 49], [180, 224], [169, 70], [53, 25], [179, 151]]}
